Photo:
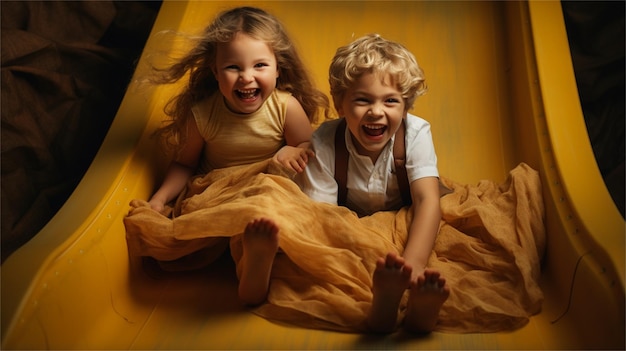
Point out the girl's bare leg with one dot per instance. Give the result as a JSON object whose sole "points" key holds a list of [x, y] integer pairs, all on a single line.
{"points": [[391, 278], [425, 300], [260, 244]]}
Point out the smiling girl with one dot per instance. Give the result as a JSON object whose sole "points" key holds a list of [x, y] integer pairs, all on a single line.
{"points": [[248, 99]]}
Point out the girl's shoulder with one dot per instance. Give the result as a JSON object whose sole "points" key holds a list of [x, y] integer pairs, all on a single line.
{"points": [[281, 95], [278, 101]]}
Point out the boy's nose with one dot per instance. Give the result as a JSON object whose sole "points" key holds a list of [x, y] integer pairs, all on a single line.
{"points": [[376, 111]]}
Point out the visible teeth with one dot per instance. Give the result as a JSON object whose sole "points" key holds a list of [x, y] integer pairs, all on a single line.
{"points": [[374, 126], [374, 129], [246, 93]]}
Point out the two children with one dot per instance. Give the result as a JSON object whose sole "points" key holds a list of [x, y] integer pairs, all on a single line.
{"points": [[249, 99]]}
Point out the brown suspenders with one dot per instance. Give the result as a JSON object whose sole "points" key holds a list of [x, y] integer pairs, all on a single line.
{"points": [[341, 164]]}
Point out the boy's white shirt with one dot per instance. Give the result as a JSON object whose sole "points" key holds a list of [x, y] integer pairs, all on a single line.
{"points": [[371, 187]]}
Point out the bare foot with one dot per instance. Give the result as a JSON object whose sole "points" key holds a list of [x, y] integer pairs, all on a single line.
{"points": [[425, 300], [391, 278], [260, 243]]}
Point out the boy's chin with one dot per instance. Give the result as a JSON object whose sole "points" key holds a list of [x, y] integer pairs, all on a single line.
{"points": [[372, 143]]}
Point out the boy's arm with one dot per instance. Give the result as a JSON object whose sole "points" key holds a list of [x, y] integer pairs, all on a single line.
{"points": [[180, 169], [425, 224]]}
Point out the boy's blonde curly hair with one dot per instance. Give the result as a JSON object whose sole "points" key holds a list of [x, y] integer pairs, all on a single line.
{"points": [[374, 54]]}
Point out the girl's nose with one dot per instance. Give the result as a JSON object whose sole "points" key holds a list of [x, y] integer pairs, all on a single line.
{"points": [[246, 76]]}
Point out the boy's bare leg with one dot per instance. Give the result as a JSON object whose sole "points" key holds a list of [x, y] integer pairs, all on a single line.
{"points": [[260, 244], [425, 300], [391, 278]]}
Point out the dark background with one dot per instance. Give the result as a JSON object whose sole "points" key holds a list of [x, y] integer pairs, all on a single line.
{"points": [[65, 69], [596, 36]]}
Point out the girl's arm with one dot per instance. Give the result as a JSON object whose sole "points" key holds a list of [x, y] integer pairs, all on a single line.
{"points": [[425, 224], [180, 169], [295, 155]]}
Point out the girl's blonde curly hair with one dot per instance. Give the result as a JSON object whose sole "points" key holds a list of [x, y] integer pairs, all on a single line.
{"points": [[199, 61], [374, 54]]}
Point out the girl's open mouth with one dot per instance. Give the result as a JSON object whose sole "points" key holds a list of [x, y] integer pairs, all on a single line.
{"points": [[374, 129], [247, 94]]}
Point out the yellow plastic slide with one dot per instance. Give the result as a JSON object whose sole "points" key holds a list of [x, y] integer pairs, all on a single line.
{"points": [[502, 91]]}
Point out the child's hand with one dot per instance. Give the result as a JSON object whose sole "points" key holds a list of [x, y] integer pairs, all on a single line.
{"points": [[157, 205], [294, 158]]}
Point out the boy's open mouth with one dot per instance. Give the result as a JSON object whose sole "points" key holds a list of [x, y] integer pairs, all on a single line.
{"points": [[247, 93], [374, 129]]}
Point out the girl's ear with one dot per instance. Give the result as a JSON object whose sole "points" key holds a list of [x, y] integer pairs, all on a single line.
{"points": [[214, 71]]}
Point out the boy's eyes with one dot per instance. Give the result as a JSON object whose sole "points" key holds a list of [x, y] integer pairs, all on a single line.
{"points": [[364, 101]]}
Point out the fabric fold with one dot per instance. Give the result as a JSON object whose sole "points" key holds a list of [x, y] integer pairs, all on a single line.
{"points": [[489, 246]]}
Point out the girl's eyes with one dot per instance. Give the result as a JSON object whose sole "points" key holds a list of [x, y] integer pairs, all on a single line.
{"points": [[236, 68]]}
